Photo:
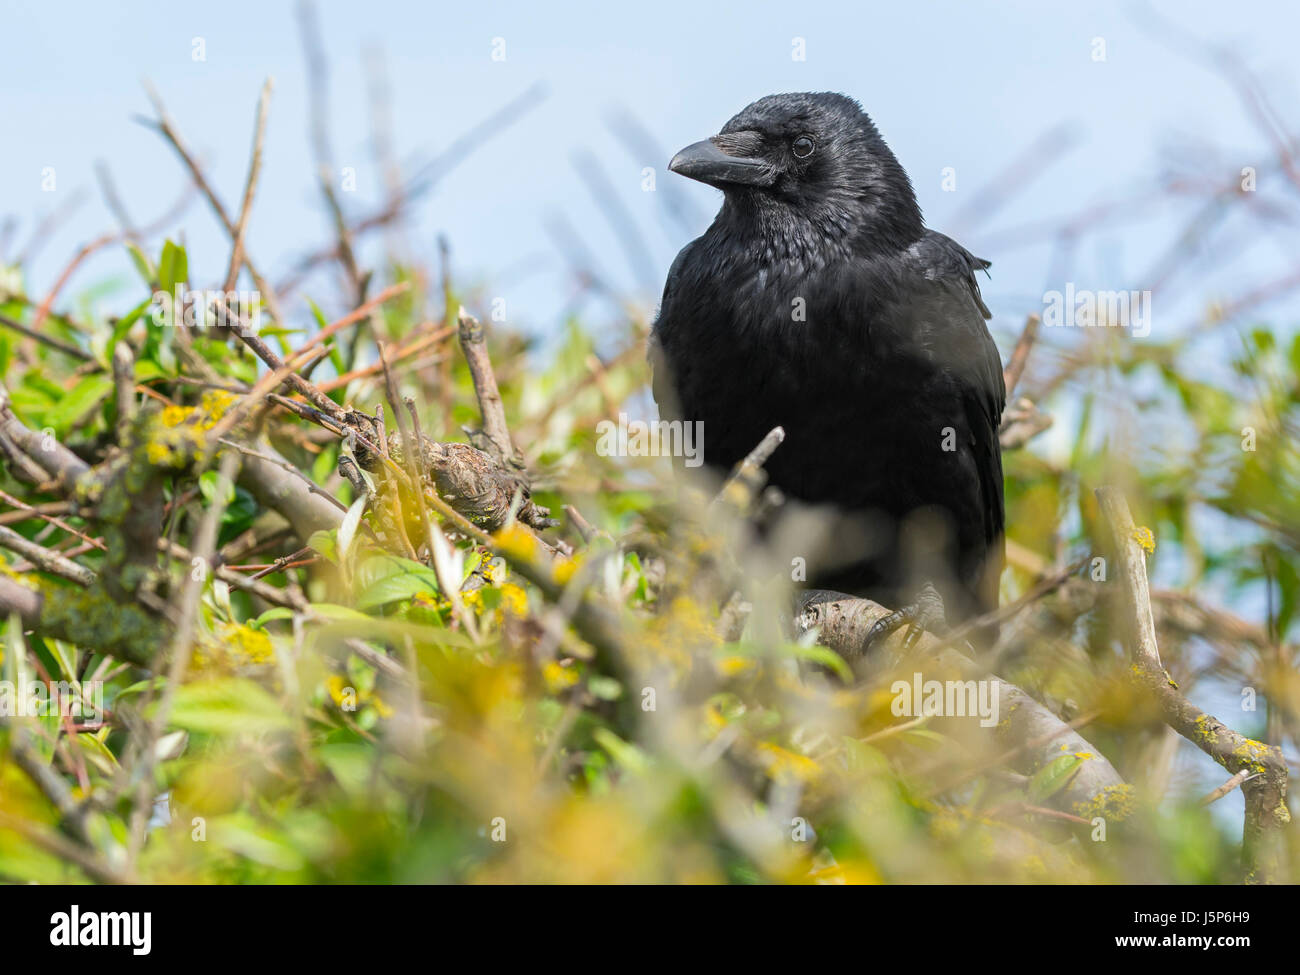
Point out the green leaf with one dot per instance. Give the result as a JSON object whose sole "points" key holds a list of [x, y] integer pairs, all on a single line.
{"points": [[322, 322], [152, 684], [1054, 776], [926, 738], [604, 688], [228, 706], [142, 263], [146, 370], [348, 530], [624, 753], [214, 487], [173, 269], [351, 765], [81, 400], [340, 614], [325, 464], [825, 656], [275, 613], [385, 579], [241, 512], [324, 541], [244, 836], [124, 325]]}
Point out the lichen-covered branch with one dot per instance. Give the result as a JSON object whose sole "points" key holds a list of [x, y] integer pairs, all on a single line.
{"points": [[85, 617], [1267, 815], [1031, 734]]}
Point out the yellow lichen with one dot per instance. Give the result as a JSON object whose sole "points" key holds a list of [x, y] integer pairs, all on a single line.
{"points": [[733, 665], [514, 541], [558, 677], [174, 416], [492, 571], [564, 570], [245, 643], [1146, 538], [1114, 802], [513, 601], [1250, 753], [1205, 731], [233, 646], [785, 764], [158, 454]]}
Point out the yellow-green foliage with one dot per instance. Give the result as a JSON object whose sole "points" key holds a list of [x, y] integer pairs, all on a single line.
{"points": [[589, 725]]}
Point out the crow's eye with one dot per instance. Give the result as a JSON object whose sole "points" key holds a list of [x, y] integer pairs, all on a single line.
{"points": [[803, 146]]}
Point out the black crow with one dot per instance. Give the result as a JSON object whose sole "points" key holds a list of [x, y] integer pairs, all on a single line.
{"points": [[819, 301]]}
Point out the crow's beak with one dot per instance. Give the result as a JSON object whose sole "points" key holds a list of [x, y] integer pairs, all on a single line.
{"points": [[708, 162]]}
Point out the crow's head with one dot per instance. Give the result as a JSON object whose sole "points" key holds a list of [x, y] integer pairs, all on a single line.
{"points": [[810, 158]]}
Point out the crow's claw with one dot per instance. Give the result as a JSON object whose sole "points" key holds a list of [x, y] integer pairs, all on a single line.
{"points": [[926, 614]]}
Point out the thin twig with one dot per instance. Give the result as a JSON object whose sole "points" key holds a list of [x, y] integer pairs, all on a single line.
{"points": [[1217, 794], [44, 559], [250, 187], [748, 477], [1020, 354], [473, 342], [164, 126], [71, 350]]}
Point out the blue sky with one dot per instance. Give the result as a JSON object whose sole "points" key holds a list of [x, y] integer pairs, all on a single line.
{"points": [[951, 84]]}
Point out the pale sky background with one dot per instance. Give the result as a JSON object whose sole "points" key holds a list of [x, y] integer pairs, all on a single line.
{"points": [[965, 84], [962, 84]]}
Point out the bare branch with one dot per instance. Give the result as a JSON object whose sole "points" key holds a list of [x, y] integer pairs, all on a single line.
{"points": [[44, 559], [1267, 816], [473, 341], [1020, 354], [1038, 735], [748, 478], [250, 187]]}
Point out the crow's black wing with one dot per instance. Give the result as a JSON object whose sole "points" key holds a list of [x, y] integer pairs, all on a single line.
{"points": [[952, 313], [661, 388]]}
